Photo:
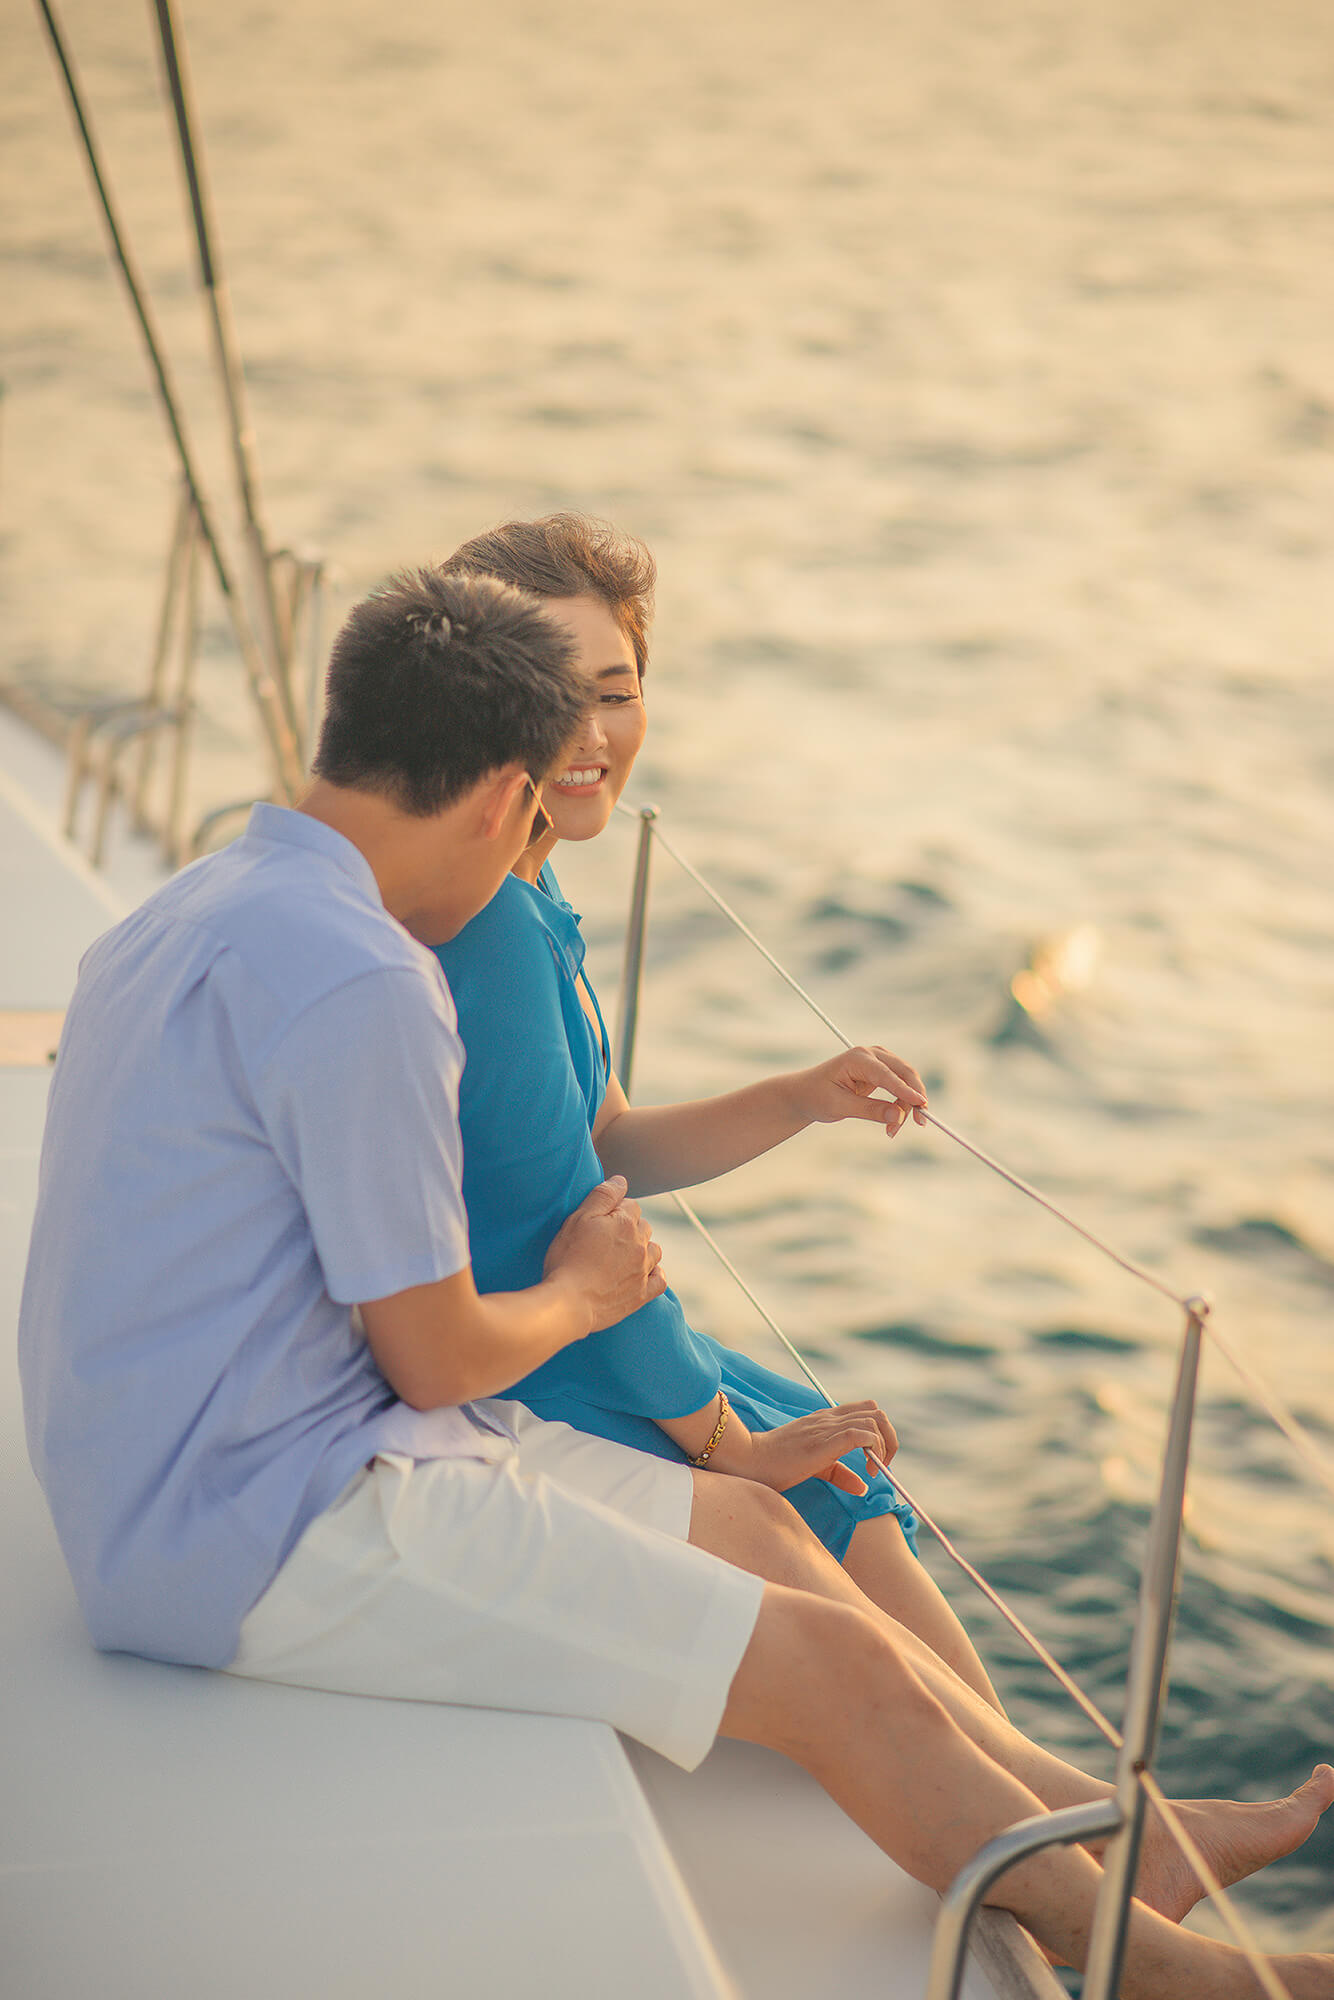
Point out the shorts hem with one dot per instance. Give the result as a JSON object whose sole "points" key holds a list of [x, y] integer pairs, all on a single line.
{"points": [[720, 1646]]}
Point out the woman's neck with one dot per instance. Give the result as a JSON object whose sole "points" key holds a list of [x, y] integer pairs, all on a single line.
{"points": [[529, 864]]}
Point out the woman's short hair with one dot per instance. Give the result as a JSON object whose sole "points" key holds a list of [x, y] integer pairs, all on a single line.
{"points": [[571, 555], [436, 680]]}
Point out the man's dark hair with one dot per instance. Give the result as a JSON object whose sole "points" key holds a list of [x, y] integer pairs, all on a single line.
{"points": [[436, 680], [571, 555]]}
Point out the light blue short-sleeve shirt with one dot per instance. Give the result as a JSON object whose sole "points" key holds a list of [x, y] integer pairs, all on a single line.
{"points": [[252, 1127]]}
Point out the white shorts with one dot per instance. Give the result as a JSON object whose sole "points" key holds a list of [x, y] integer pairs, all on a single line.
{"points": [[558, 1581]]}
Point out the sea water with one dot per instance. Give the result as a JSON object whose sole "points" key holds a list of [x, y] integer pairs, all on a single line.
{"points": [[969, 370]]}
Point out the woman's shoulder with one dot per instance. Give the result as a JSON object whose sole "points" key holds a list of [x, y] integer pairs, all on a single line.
{"points": [[509, 914], [501, 952]]}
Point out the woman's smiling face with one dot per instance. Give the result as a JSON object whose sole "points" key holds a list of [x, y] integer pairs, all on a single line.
{"points": [[581, 795]]}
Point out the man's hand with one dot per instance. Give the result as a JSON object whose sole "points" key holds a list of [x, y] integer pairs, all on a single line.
{"points": [[606, 1251], [841, 1088], [447, 1343], [812, 1447]]}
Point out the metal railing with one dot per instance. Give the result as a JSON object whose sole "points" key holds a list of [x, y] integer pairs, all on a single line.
{"points": [[1119, 1819]]}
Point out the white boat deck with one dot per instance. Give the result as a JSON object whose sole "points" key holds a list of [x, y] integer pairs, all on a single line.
{"points": [[170, 1832]]}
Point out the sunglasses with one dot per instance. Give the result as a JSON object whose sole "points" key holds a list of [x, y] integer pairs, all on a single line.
{"points": [[543, 823]]}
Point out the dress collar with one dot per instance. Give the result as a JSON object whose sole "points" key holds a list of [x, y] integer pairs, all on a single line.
{"points": [[560, 922]]}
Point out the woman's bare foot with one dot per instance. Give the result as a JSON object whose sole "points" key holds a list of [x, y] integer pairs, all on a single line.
{"points": [[1234, 1838]]}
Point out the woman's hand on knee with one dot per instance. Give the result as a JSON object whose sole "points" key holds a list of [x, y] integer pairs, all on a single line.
{"points": [[813, 1447]]}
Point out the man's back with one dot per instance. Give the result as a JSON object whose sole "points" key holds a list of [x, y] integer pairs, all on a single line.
{"points": [[249, 1062]]}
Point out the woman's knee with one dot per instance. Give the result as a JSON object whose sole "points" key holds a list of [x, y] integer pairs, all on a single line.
{"points": [[750, 1525]]}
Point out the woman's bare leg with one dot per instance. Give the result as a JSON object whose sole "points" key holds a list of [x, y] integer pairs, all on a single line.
{"points": [[825, 1685], [756, 1529], [885, 1569]]}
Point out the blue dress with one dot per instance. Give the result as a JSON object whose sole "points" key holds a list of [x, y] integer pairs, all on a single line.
{"points": [[533, 1082]]}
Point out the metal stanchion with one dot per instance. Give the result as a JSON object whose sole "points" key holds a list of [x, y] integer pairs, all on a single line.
{"points": [[1148, 1673], [963, 1898], [287, 768], [228, 362], [173, 819], [633, 968]]}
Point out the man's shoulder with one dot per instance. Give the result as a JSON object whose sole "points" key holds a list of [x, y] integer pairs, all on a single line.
{"points": [[285, 923]]}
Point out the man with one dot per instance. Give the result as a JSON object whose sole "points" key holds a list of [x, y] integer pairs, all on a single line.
{"points": [[251, 1343]]}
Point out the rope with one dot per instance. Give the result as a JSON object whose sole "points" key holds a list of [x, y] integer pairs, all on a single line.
{"points": [[1040, 1652], [1011, 1617], [1117, 1256], [230, 374], [1231, 1916], [1298, 1437], [1107, 1249], [287, 763]]}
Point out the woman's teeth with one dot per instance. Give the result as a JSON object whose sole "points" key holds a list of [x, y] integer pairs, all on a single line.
{"points": [[589, 777]]}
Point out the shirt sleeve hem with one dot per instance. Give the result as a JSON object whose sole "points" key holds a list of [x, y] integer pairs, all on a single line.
{"points": [[355, 1289]]}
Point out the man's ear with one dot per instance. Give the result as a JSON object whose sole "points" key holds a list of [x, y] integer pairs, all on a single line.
{"points": [[502, 788]]}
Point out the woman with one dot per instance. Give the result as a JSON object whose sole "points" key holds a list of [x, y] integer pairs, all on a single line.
{"points": [[544, 1119]]}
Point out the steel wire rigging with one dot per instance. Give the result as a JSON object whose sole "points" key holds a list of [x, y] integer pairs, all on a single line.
{"points": [[1279, 1413], [1135, 1781], [265, 676]]}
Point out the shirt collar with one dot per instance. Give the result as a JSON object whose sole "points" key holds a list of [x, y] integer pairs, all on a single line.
{"points": [[286, 827]]}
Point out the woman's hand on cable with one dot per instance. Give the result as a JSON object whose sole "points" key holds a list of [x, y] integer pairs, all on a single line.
{"points": [[813, 1446], [843, 1086]]}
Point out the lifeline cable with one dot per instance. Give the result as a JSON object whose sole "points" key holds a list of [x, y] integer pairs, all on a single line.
{"points": [[1281, 1416], [1295, 1433], [1012, 1618], [1117, 1256], [226, 354]]}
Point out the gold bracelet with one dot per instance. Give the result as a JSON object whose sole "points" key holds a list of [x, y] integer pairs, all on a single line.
{"points": [[724, 1412]]}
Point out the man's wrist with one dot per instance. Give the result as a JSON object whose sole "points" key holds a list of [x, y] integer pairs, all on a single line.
{"points": [[572, 1299]]}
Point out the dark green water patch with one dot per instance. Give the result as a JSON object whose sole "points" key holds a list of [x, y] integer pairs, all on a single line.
{"points": [[1136, 1111], [1248, 1436], [766, 1211], [1260, 1239], [676, 937], [837, 959], [581, 416], [922, 892], [921, 1339], [882, 922], [857, 921], [1017, 1029], [1086, 1338], [962, 1405]]}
